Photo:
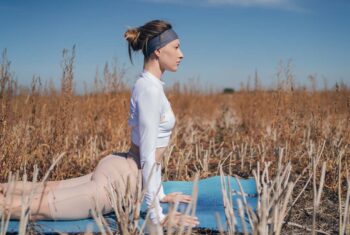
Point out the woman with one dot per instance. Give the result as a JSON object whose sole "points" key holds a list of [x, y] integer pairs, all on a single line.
{"points": [[151, 119]]}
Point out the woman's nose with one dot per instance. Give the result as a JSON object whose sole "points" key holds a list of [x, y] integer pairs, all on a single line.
{"points": [[181, 56]]}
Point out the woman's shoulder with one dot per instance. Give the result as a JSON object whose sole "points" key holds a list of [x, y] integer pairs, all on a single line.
{"points": [[143, 86]]}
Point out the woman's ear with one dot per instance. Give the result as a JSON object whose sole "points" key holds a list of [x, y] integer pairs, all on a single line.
{"points": [[157, 53], [154, 56]]}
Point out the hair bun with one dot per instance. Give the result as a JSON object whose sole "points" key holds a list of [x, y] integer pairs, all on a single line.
{"points": [[131, 35], [138, 37]]}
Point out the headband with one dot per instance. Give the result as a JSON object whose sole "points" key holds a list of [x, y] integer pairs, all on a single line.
{"points": [[160, 41]]}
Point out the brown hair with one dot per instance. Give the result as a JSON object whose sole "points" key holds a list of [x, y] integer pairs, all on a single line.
{"points": [[138, 37]]}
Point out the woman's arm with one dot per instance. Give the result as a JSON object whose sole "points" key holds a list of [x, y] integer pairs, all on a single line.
{"points": [[149, 107]]}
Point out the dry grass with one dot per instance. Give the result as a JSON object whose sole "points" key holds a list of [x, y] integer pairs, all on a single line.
{"points": [[238, 133]]}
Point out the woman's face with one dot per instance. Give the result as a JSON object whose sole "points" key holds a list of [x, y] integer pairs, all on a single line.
{"points": [[170, 56]]}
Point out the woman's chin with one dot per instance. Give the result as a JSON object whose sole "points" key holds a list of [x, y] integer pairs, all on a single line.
{"points": [[176, 68], [172, 69]]}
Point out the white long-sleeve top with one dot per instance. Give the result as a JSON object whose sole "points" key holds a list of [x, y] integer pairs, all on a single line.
{"points": [[152, 121]]}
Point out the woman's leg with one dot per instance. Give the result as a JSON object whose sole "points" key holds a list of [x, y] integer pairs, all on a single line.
{"points": [[55, 204], [73, 203], [38, 204], [72, 182], [27, 186], [77, 202], [69, 203]]}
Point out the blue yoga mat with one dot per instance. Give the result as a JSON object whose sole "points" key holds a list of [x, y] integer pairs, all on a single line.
{"points": [[209, 203]]}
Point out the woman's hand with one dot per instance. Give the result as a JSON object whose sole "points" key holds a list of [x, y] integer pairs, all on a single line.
{"points": [[177, 219], [176, 197]]}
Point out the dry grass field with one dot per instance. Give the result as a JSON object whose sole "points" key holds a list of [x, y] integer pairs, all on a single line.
{"points": [[306, 132]]}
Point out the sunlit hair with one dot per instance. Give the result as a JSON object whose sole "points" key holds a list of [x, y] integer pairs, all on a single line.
{"points": [[138, 37]]}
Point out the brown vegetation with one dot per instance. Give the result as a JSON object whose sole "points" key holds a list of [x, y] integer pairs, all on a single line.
{"points": [[235, 132]]}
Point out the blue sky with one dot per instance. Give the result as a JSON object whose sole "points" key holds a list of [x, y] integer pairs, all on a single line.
{"points": [[223, 41]]}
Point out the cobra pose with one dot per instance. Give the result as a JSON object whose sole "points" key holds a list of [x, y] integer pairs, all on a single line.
{"points": [[151, 119]]}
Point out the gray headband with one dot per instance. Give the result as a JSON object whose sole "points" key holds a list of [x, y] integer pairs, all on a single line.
{"points": [[160, 41]]}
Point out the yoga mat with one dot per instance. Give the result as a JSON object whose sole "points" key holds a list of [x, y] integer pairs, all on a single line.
{"points": [[209, 203]]}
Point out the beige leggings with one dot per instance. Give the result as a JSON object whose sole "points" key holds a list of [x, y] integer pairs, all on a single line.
{"points": [[75, 198]]}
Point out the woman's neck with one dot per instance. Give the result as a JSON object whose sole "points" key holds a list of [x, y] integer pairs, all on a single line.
{"points": [[152, 66]]}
